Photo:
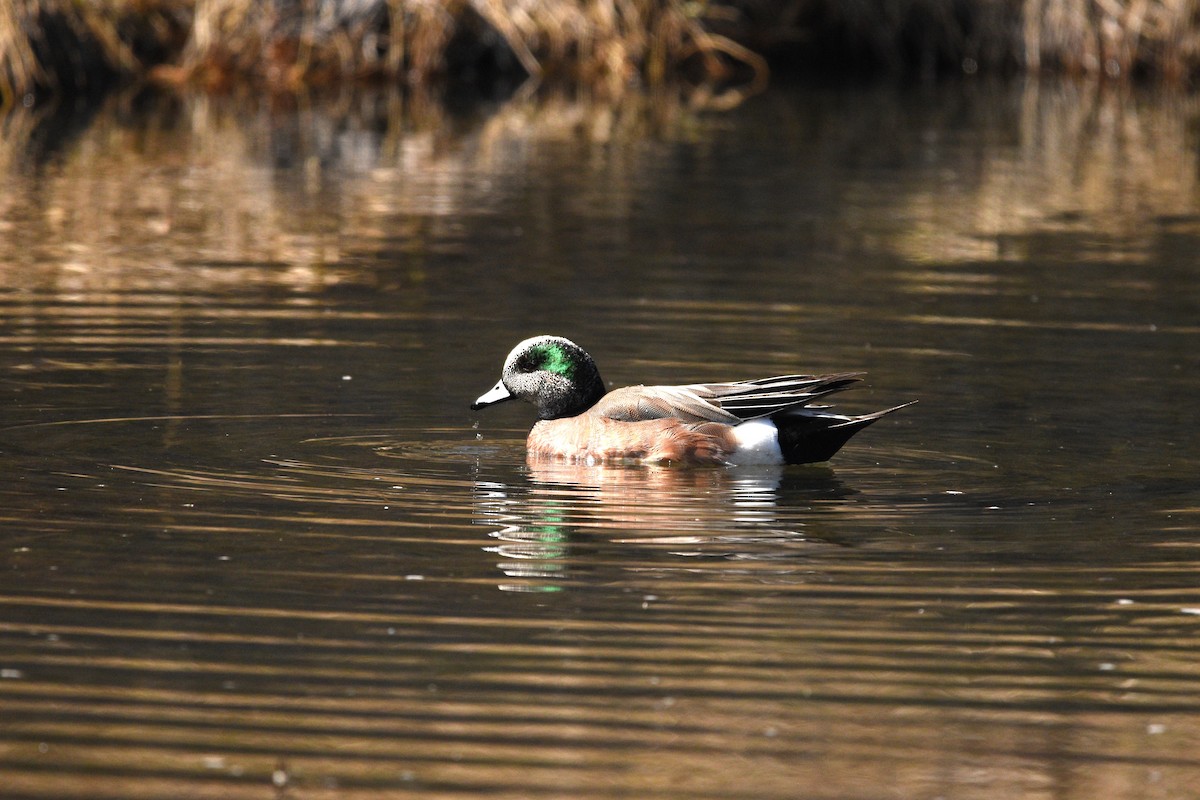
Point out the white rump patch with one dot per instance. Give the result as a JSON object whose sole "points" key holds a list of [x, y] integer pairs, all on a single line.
{"points": [[757, 443]]}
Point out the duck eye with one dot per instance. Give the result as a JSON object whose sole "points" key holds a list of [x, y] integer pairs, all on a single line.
{"points": [[528, 363], [546, 358]]}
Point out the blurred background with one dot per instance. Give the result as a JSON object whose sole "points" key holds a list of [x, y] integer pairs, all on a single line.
{"points": [[257, 259]]}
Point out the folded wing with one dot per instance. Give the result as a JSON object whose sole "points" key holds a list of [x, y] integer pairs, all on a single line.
{"points": [[729, 403]]}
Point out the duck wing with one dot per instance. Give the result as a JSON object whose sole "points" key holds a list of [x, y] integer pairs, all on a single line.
{"points": [[728, 403]]}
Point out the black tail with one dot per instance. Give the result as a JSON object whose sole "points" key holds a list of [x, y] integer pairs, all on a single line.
{"points": [[809, 435]]}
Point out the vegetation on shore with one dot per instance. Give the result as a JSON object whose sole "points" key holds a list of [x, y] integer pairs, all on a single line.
{"points": [[608, 46]]}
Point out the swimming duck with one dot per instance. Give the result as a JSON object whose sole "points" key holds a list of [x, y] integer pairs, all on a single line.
{"points": [[760, 421]]}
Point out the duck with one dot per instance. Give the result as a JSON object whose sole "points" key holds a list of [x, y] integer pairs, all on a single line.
{"points": [[771, 420]]}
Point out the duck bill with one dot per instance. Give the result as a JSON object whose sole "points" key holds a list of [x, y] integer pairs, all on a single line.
{"points": [[497, 394]]}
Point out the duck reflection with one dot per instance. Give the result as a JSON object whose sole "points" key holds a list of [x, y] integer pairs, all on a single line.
{"points": [[563, 511]]}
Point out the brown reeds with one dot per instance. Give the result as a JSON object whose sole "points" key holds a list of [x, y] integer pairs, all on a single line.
{"points": [[1113, 37], [1087, 37], [67, 47], [608, 46]]}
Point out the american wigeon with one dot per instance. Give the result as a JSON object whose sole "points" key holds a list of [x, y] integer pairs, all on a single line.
{"points": [[762, 421]]}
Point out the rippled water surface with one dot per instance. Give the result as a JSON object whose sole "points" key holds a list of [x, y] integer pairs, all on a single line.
{"points": [[255, 545]]}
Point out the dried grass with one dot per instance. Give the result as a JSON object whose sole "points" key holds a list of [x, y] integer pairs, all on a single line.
{"points": [[1095, 37], [1113, 37], [64, 46], [607, 45]]}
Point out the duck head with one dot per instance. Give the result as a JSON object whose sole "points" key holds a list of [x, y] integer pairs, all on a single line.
{"points": [[554, 374]]}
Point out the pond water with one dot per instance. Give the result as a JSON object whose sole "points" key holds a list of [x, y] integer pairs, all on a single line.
{"points": [[255, 544]]}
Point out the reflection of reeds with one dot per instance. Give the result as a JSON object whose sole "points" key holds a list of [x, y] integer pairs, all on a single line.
{"points": [[194, 201], [606, 45], [1082, 157], [210, 191]]}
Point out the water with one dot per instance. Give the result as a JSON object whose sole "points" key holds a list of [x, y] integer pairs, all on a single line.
{"points": [[254, 543]]}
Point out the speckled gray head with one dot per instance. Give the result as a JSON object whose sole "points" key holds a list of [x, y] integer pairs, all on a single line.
{"points": [[554, 374]]}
